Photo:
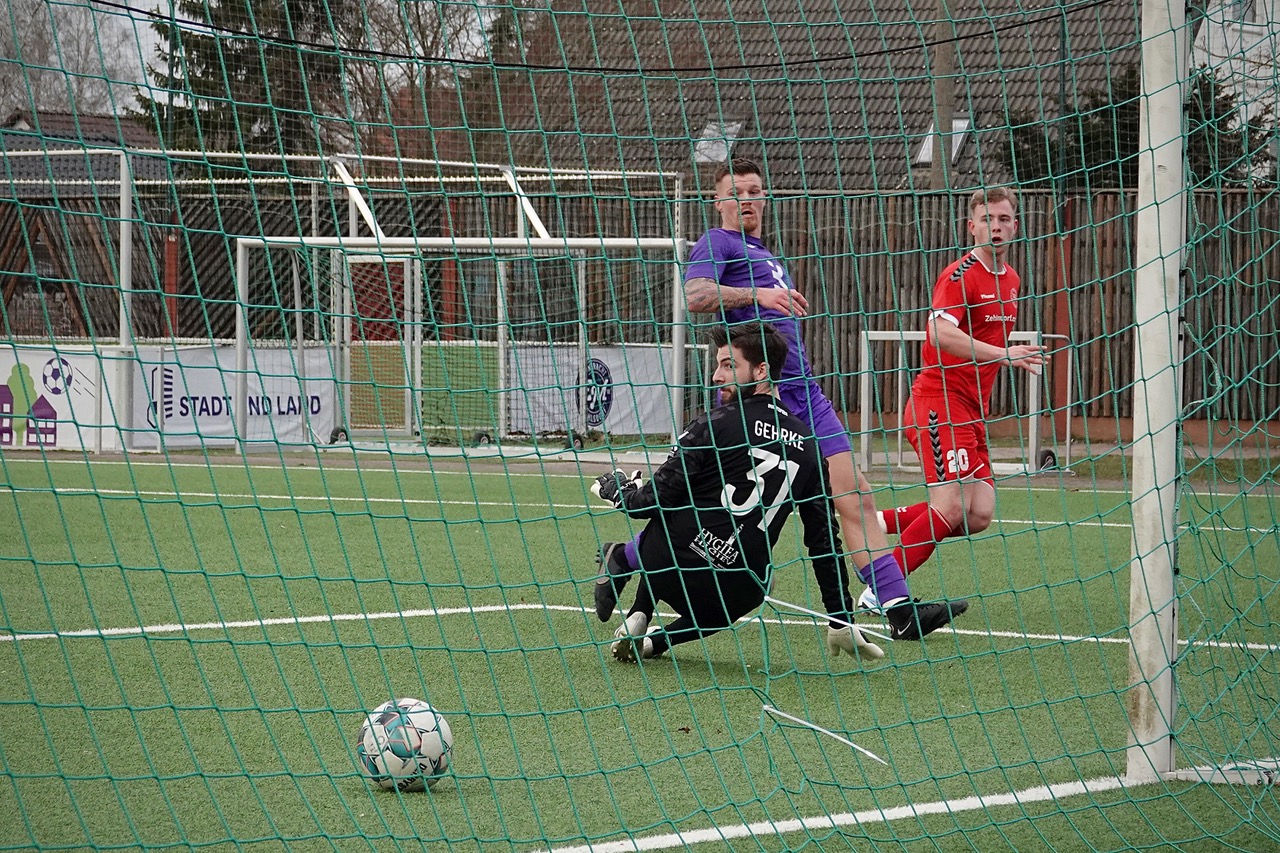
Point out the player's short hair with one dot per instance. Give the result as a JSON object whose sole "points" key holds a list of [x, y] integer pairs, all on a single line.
{"points": [[759, 343], [991, 195], [737, 166]]}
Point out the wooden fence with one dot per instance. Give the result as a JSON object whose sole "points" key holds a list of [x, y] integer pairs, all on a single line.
{"points": [[864, 261], [872, 261]]}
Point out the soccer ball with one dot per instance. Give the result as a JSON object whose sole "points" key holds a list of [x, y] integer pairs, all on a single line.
{"points": [[405, 744], [57, 375]]}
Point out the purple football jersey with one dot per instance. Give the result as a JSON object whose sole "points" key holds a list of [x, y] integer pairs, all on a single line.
{"points": [[735, 259]]}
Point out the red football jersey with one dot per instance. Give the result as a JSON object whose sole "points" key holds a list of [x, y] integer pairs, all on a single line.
{"points": [[984, 304]]}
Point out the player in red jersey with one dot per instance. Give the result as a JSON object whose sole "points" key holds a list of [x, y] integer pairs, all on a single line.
{"points": [[974, 309]]}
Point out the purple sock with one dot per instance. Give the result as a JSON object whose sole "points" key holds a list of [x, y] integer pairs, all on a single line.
{"points": [[631, 552], [885, 578]]}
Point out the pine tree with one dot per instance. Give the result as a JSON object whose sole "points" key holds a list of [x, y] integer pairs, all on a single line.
{"points": [[436, 95], [1223, 147], [253, 75], [1096, 147]]}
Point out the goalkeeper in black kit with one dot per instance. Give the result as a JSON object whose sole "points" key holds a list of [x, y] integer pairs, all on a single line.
{"points": [[716, 507]]}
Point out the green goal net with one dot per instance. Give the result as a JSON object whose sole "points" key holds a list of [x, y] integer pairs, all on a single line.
{"points": [[321, 319]]}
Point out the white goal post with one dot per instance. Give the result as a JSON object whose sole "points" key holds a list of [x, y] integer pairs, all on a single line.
{"points": [[866, 375], [409, 249], [408, 376]]}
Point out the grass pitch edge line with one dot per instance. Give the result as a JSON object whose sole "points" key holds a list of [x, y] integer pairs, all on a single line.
{"points": [[770, 828], [182, 628]]}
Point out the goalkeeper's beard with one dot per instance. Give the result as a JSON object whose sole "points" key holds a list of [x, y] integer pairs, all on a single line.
{"points": [[728, 394]]}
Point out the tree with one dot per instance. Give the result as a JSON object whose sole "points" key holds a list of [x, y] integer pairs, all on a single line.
{"points": [[299, 76], [252, 75], [1096, 147], [436, 97], [1222, 147], [23, 388], [64, 58]]}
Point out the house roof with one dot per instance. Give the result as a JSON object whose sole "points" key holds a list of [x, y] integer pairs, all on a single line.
{"points": [[108, 131], [60, 137], [832, 95], [42, 410]]}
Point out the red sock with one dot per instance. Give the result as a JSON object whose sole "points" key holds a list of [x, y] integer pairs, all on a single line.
{"points": [[917, 542], [900, 518]]}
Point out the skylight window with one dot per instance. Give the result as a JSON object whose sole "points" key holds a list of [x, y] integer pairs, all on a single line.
{"points": [[716, 143], [959, 130]]}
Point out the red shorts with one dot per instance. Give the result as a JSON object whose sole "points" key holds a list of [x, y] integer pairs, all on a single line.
{"points": [[948, 451]]}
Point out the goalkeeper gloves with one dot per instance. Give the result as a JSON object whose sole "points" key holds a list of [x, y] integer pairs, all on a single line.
{"points": [[848, 639], [613, 488]]}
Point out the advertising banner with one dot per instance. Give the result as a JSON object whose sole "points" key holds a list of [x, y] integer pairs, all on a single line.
{"points": [[627, 392], [49, 398], [188, 395]]}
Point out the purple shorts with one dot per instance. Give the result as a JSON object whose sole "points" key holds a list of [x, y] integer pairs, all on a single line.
{"points": [[812, 406]]}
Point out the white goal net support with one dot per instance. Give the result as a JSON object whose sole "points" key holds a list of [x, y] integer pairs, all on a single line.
{"points": [[532, 348], [902, 349]]}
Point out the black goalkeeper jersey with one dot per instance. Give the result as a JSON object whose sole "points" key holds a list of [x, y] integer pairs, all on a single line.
{"points": [[722, 497]]}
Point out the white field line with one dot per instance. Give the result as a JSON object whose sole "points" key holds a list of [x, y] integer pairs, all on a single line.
{"points": [[505, 473], [720, 834], [368, 499], [593, 469], [1045, 524], [221, 496], [184, 628]]}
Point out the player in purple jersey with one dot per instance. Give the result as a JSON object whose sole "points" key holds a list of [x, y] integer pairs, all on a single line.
{"points": [[733, 273]]}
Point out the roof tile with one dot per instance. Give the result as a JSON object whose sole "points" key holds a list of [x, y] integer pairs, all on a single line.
{"points": [[833, 96]]}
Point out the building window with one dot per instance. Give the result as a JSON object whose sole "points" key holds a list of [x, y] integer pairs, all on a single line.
{"points": [[716, 143], [42, 257], [959, 130], [1242, 11]]}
